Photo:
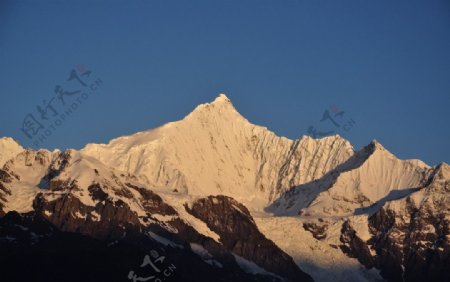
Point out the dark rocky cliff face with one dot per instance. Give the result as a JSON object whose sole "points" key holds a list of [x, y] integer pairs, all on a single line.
{"points": [[71, 215], [35, 250], [61, 248], [238, 232], [4, 178], [411, 237], [355, 247], [105, 241]]}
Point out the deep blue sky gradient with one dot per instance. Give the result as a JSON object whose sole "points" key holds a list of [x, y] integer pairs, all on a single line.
{"points": [[282, 63]]}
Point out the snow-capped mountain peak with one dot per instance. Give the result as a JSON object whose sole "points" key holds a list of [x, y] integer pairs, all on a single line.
{"points": [[220, 102], [215, 173], [220, 108], [222, 98], [8, 149], [376, 145], [216, 151]]}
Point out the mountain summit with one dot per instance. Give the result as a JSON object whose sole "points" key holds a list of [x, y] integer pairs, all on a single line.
{"points": [[214, 150], [220, 108], [222, 98]]}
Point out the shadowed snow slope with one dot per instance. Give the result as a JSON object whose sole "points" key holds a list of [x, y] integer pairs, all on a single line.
{"points": [[375, 179], [371, 175]]}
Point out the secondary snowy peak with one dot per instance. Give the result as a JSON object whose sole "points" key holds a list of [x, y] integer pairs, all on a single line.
{"points": [[369, 178], [8, 149], [435, 195], [444, 171], [21, 178], [214, 150], [381, 177], [376, 145]]}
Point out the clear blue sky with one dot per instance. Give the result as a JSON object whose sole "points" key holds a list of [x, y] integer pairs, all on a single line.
{"points": [[282, 63]]}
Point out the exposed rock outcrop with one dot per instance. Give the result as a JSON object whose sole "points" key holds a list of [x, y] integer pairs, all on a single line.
{"points": [[239, 233], [410, 237]]}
